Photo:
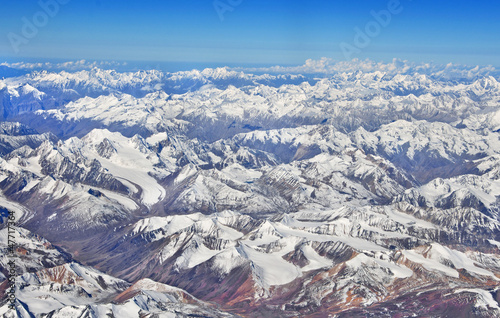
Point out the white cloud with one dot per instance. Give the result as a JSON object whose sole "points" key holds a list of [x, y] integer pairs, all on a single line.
{"points": [[328, 66], [321, 67]]}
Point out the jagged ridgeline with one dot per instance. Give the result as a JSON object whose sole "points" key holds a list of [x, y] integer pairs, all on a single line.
{"points": [[219, 193]]}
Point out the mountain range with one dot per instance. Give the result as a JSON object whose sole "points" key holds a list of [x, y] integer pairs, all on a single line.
{"points": [[222, 193]]}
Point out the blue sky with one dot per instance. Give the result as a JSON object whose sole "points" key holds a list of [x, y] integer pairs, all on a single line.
{"points": [[253, 31]]}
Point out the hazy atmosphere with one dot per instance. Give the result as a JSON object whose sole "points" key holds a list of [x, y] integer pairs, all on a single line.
{"points": [[246, 32]]}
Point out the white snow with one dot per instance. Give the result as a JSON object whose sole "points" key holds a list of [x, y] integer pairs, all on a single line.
{"points": [[130, 165], [315, 260], [485, 300], [397, 271], [269, 269], [436, 254]]}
